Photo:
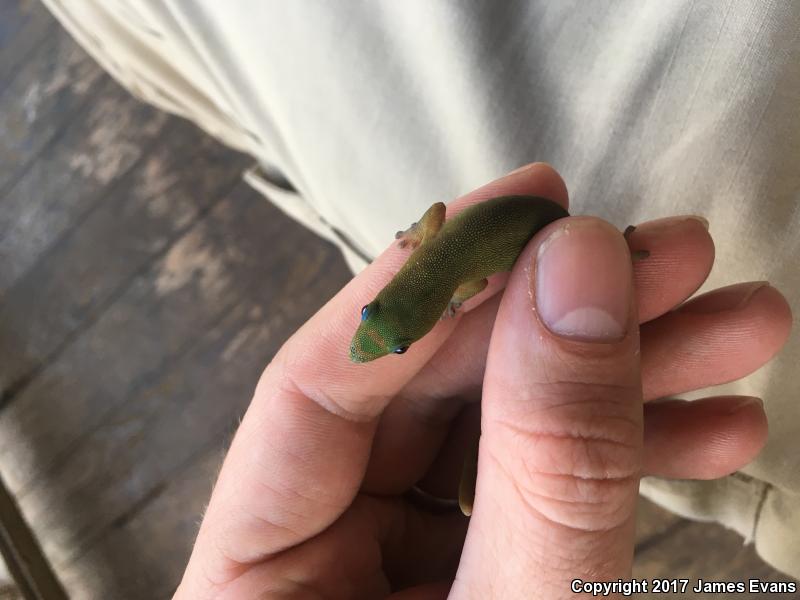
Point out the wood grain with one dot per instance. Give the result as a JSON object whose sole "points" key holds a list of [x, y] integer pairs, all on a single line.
{"points": [[41, 97], [205, 320]]}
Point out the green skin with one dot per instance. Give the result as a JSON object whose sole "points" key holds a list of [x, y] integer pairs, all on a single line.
{"points": [[450, 264]]}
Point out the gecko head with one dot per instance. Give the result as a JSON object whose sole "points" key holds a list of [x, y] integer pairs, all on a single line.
{"points": [[376, 336]]}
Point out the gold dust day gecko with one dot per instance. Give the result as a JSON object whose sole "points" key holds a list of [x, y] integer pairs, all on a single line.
{"points": [[449, 265]]}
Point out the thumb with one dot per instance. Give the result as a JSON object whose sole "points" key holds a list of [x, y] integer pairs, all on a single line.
{"points": [[561, 444]]}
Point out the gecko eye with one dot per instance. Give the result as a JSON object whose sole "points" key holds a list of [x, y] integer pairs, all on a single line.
{"points": [[400, 349], [368, 309]]}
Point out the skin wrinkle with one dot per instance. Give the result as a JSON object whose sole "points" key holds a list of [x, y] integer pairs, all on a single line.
{"points": [[521, 432], [589, 457], [600, 463], [536, 392], [580, 480], [536, 512], [210, 584], [611, 513], [290, 385], [586, 413], [589, 495], [267, 524]]}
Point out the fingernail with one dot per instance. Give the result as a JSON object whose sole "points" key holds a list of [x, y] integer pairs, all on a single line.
{"points": [[667, 224], [744, 402], [523, 168], [583, 281], [732, 297], [703, 220]]}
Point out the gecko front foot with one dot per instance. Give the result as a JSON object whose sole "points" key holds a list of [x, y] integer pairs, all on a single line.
{"points": [[407, 237]]}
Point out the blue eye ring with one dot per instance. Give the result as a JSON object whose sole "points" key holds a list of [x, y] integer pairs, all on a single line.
{"points": [[364, 312], [400, 349]]}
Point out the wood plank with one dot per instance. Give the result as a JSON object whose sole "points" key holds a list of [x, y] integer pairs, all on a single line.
{"points": [[48, 92], [72, 174], [159, 536], [93, 263], [127, 420], [653, 523], [24, 24], [183, 407], [91, 268]]}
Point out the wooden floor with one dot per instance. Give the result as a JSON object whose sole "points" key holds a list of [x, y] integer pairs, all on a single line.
{"points": [[143, 288]]}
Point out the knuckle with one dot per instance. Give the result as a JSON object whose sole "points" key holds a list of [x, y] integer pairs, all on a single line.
{"points": [[575, 452]]}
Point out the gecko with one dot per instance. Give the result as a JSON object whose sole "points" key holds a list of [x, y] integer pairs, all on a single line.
{"points": [[450, 263]]}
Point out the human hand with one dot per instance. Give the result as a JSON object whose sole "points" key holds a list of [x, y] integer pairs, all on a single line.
{"points": [[311, 500]]}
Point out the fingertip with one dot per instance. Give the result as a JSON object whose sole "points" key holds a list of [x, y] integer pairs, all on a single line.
{"points": [[547, 180], [534, 179], [550, 182], [718, 337], [778, 308], [681, 254], [703, 439]]}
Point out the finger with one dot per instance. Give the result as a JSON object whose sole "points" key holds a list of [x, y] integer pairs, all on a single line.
{"points": [[364, 554], [724, 335], [561, 444], [702, 439], [413, 427], [301, 450], [715, 338], [680, 257]]}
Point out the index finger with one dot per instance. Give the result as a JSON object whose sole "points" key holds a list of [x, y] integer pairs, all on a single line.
{"points": [[299, 456]]}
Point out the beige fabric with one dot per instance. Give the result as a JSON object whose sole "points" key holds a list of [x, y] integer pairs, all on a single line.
{"points": [[373, 110]]}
